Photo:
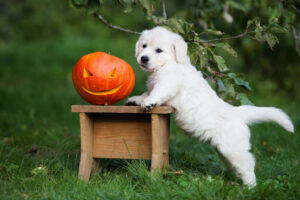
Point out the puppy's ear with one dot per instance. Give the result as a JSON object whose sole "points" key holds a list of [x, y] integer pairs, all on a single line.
{"points": [[180, 48], [137, 47]]}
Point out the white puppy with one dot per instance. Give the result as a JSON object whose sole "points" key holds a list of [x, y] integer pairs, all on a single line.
{"points": [[173, 81]]}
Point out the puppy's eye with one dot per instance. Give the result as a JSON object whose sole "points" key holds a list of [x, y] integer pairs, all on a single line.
{"points": [[144, 45], [158, 50]]}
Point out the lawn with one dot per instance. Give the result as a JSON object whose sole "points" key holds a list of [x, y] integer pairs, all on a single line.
{"points": [[40, 144]]}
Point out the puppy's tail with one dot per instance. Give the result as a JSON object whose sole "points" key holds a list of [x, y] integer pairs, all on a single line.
{"points": [[253, 114]]}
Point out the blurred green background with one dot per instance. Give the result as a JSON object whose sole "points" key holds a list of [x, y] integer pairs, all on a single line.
{"points": [[41, 41]]}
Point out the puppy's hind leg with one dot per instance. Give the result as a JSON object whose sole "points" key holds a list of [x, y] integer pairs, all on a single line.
{"points": [[234, 147], [241, 161]]}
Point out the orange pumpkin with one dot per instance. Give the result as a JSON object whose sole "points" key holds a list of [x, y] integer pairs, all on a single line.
{"points": [[100, 78]]}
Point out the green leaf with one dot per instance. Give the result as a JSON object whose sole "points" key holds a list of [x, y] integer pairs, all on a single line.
{"points": [[221, 63], [194, 51], [221, 85], [79, 2], [159, 20], [267, 36], [156, 3], [243, 83], [176, 25], [211, 82], [92, 6], [288, 17], [274, 13], [279, 29], [214, 32], [271, 39], [243, 98], [226, 47], [275, 28], [147, 5], [259, 36], [179, 25], [236, 5], [229, 92], [128, 5], [252, 24], [239, 81], [204, 56]]}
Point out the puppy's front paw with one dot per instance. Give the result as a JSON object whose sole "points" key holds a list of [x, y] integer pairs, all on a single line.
{"points": [[130, 103], [148, 107], [134, 101]]}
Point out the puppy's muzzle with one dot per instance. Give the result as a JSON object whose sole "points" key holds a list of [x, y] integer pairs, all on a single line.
{"points": [[144, 59]]}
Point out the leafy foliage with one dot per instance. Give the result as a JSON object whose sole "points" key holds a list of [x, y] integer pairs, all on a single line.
{"points": [[198, 23]]}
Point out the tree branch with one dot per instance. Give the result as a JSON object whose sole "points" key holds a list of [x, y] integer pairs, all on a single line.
{"points": [[164, 10], [104, 21], [226, 38], [295, 8], [296, 37], [232, 37]]}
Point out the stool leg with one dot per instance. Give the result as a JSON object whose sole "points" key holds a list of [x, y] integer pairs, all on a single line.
{"points": [[160, 141], [96, 166], [86, 136]]}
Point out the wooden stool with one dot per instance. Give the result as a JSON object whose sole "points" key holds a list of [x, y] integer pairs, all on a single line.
{"points": [[123, 132]]}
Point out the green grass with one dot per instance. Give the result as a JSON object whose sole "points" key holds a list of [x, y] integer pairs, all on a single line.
{"points": [[37, 129]]}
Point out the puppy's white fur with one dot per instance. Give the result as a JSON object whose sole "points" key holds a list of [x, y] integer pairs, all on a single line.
{"points": [[173, 81]]}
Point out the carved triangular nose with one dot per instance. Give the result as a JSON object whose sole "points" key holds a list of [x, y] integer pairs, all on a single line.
{"points": [[113, 73]]}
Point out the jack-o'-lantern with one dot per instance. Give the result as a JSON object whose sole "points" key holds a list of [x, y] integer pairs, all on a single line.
{"points": [[100, 78]]}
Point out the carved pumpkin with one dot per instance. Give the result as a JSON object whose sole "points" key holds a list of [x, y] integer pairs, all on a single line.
{"points": [[100, 78]]}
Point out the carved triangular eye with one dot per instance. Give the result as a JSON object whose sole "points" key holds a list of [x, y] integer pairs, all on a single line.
{"points": [[113, 73], [86, 73]]}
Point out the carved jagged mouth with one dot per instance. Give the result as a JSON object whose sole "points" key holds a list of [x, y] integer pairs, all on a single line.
{"points": [[104, 92]]}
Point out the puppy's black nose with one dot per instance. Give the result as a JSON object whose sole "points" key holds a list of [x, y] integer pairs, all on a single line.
{"points": [[144, 59]]}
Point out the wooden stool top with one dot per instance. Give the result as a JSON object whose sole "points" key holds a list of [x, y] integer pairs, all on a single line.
{"points": [[120, 109]]}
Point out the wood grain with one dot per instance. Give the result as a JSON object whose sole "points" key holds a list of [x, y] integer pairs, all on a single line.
{"points": [[86, 136], [122, 136], [160, 141], [124, 132], [119, 109]]}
